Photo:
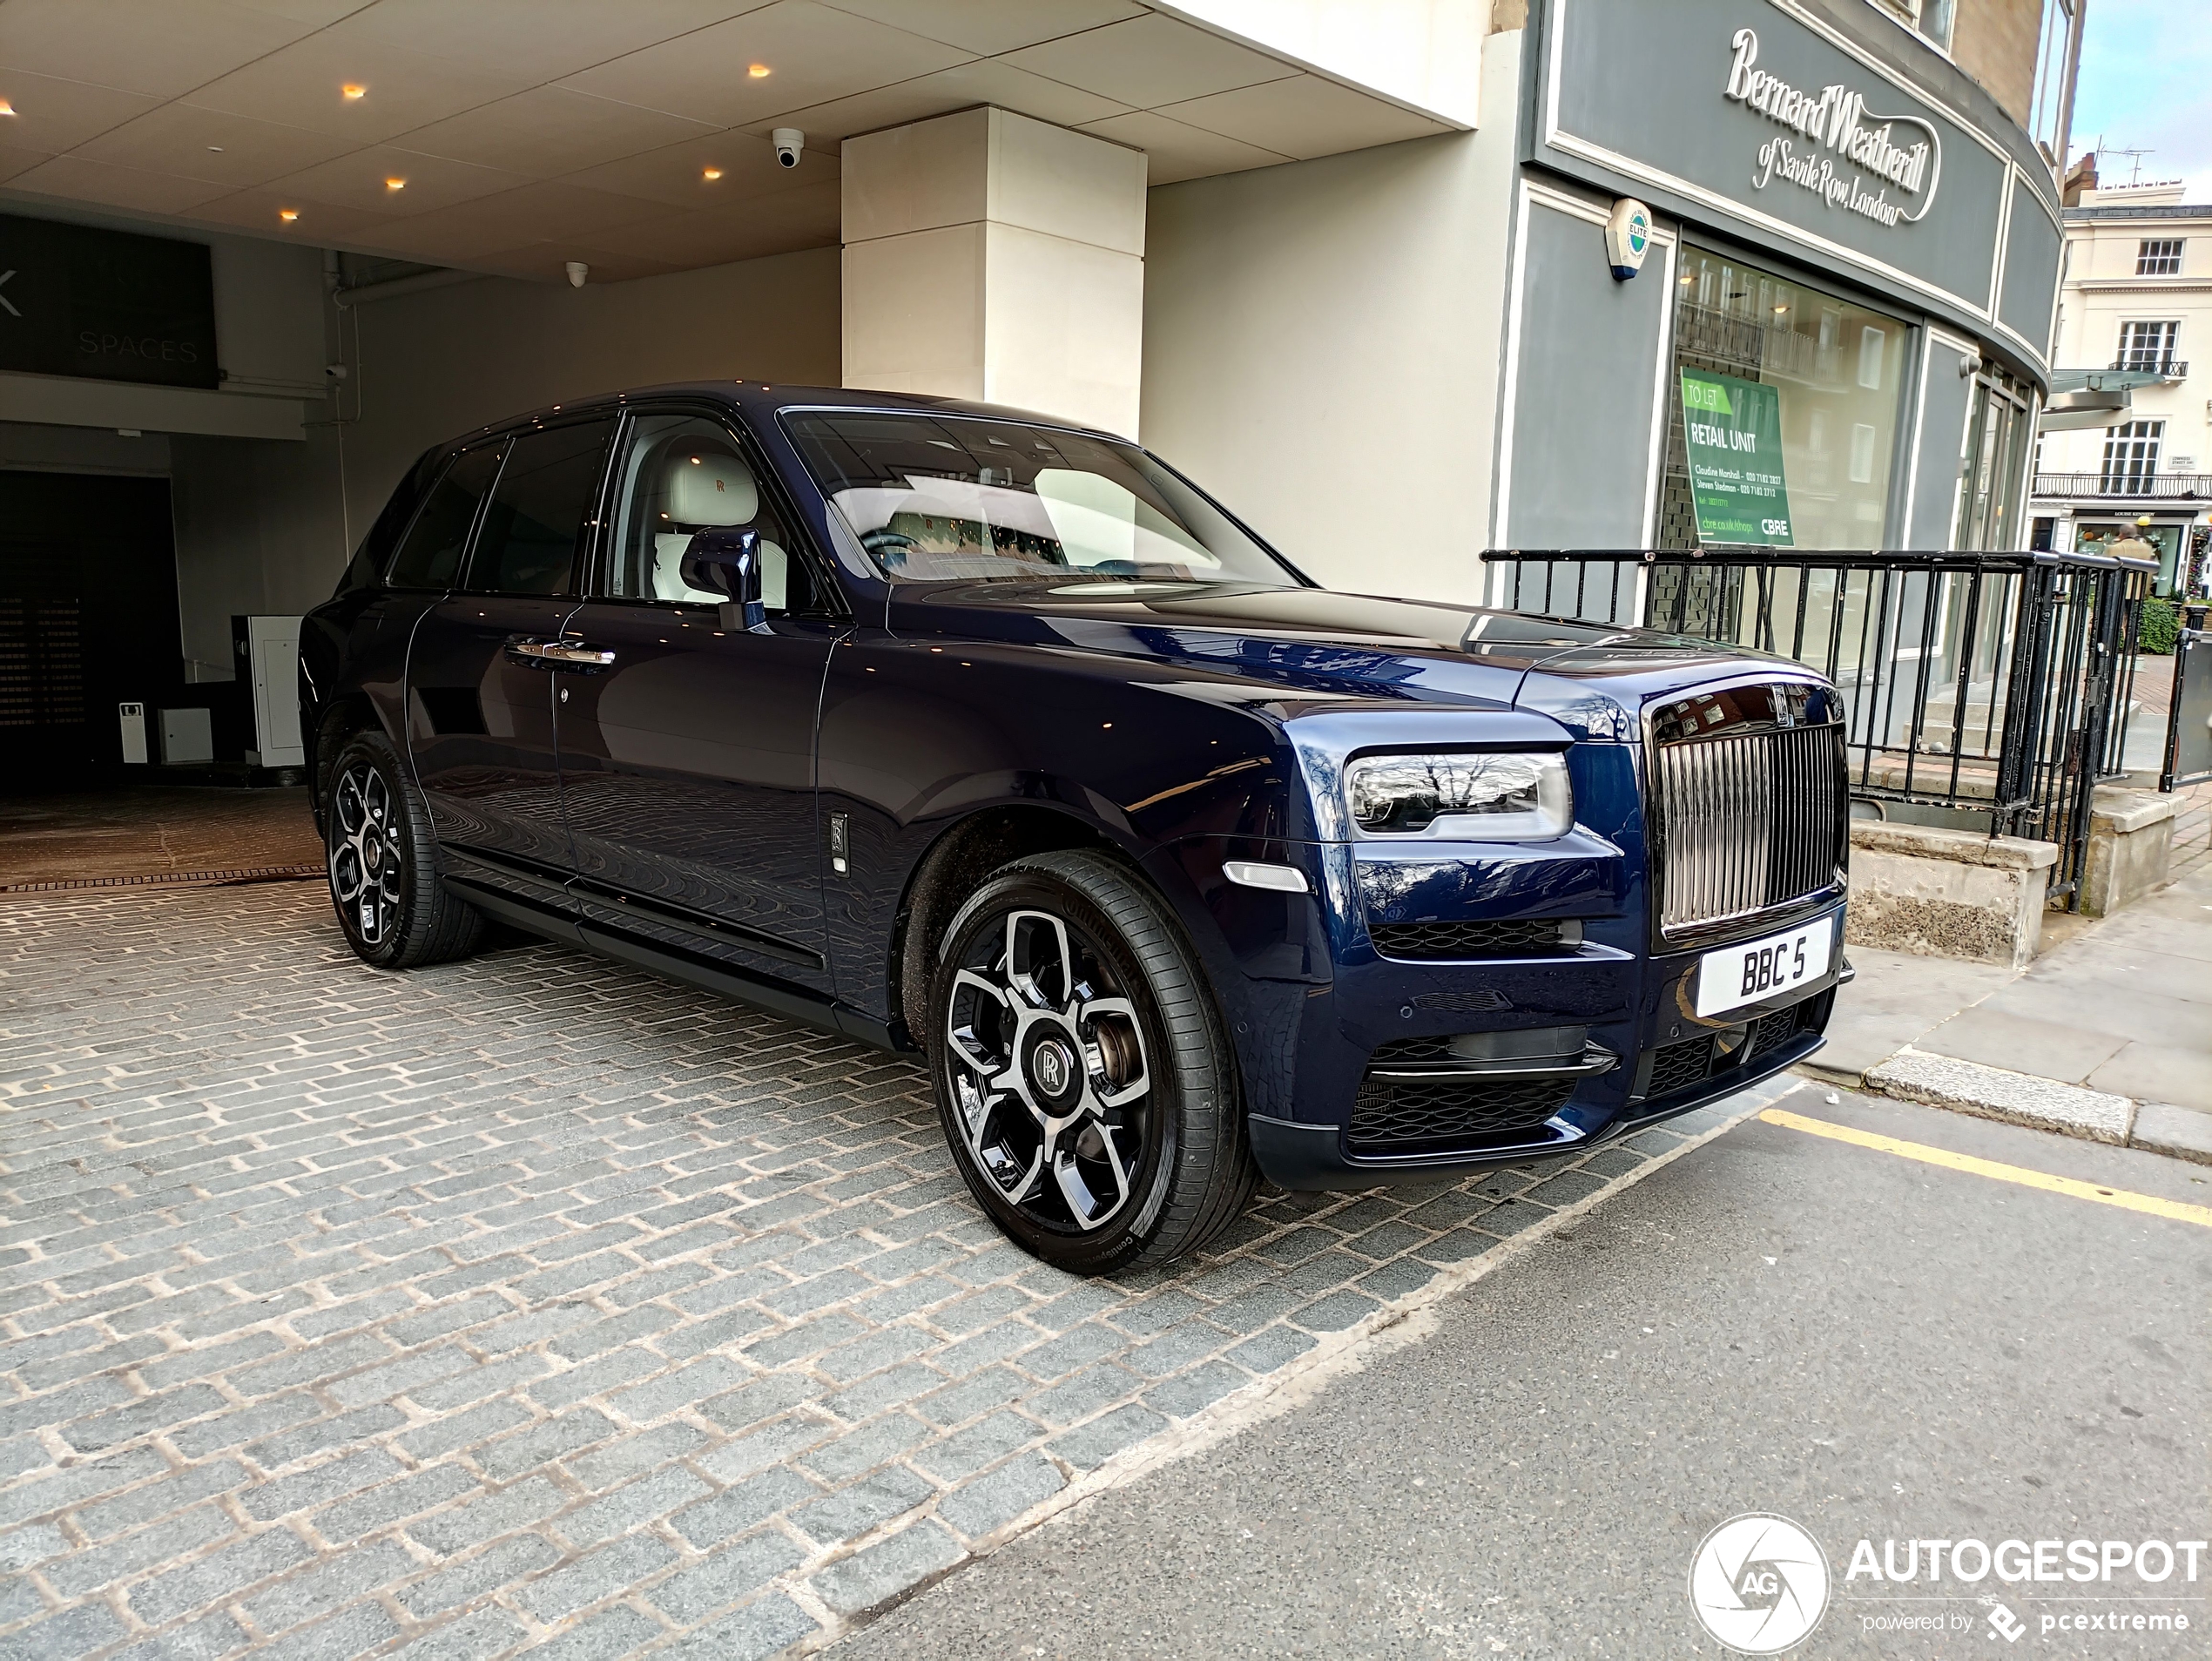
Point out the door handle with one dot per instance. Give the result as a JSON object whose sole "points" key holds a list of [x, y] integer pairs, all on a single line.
{"points": [[561, 654]]}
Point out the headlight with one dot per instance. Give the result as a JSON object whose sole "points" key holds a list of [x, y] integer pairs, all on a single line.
{"points": [[1476, 798]]}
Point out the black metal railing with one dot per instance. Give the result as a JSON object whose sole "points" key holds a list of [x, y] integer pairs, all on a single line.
{"points": [[1997, 685], [2172, 368], [2158, 486]]}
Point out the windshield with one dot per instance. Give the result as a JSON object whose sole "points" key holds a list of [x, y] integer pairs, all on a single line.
{"points": [[958, 498]]}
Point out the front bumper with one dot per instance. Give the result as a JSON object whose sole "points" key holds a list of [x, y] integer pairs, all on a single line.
{"points": [[1637, 1008]]}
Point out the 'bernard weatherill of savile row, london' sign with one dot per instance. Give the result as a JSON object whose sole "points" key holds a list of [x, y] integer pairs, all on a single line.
{"points": [[1835, 118], [108, 305], [1819, 132]]}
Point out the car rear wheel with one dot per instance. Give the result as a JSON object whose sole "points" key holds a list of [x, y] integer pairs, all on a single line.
{"points": [[1085, 1083], [383, 858]]}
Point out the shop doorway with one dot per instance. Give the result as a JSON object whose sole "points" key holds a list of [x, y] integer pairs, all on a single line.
{"points": [[88, 622]]}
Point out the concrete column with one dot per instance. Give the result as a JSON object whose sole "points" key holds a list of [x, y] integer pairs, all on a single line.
{"points": [[989, 255]]}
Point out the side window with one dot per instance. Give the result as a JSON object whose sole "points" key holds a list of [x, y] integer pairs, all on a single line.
{"points": [[430, 555], [535, 524], [680, 475]]}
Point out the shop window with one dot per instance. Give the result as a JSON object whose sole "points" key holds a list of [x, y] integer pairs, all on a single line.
{"points": [[2164, 545], [2131, 457], [2159, 257], [1786, 406], [2148, 345]]}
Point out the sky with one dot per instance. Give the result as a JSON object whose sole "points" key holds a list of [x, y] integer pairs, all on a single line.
{"points": [[2147, 84]]}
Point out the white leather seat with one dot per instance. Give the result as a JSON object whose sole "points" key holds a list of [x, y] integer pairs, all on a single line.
{"points": [[708, 489]]}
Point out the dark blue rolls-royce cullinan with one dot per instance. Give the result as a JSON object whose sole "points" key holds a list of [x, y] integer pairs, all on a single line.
{"points": [[964, 732]]}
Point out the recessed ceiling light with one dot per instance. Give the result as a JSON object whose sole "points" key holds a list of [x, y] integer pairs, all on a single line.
{"points": [[287, 214], [758, 71], [711, 172], [6, 108], [352, 88], [395, 183], [214, 150]]}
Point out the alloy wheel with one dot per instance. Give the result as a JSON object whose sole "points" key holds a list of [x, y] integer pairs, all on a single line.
{"points": [[1051, 1081], [366, 867]]}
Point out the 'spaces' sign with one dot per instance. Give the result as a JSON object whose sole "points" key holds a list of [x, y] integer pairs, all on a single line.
{"points": [[1902, 151], [109, 304]]}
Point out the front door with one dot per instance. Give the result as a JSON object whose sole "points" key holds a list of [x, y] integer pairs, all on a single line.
{"points": [[480, 689], [687, 762]]}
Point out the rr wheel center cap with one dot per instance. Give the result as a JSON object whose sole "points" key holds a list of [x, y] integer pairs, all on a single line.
{"points": [[1053, 1071]]}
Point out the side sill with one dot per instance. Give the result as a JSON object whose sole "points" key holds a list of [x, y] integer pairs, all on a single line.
{"points": [[791, 1003], [514, 909]]}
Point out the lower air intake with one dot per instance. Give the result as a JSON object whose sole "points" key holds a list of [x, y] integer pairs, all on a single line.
{"points": [[1415, 1116]]}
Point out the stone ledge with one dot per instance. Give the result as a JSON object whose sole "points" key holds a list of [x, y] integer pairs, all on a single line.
{"points": [[2116, 809], [1957, 847], [1991, 1093]]}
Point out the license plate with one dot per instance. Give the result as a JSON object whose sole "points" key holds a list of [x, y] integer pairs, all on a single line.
{"points": [[1760, 970]]}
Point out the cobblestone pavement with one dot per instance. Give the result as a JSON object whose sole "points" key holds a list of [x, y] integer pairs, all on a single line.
{"points": [[531, 1302]]}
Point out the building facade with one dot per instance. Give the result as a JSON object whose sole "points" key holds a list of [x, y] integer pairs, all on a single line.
{"points": [[1852, 261], [1399, 280], [2137, 304]]}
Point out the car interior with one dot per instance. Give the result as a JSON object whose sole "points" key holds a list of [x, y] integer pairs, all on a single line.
{"points": [[680, 482]]}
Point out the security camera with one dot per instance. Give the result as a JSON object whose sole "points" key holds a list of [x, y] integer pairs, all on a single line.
{"points": [[577, 272], [789, 141], [336, 371]]}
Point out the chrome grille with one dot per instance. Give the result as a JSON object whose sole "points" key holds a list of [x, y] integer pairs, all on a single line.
{"points": [[1749, 824]]}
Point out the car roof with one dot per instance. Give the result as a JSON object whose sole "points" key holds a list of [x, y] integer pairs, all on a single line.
{"points": [[757, 398]]}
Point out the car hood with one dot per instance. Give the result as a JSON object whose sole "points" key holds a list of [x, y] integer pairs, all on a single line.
{"points": [[1320, 646]]}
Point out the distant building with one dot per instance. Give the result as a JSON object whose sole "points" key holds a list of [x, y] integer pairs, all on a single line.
{"points": [[2135, 303]]}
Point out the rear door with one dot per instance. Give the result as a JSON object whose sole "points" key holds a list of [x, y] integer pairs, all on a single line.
{"points": [[480, 695], [687, 762]]}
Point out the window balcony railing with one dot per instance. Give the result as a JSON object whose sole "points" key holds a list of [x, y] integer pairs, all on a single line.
{"points": [[2168, 369], [2170, 487]]}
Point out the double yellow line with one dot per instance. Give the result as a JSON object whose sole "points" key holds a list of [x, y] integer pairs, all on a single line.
{"points": [[2173, 1210]]}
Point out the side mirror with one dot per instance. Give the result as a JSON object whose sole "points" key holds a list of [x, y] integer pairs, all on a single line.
{"points": [[728, 561]]}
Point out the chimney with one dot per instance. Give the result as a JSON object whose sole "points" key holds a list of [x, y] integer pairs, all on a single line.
{"points": [[2082, 176]]}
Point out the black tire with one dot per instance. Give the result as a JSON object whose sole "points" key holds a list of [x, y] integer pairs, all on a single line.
{"points": [[1073, 1162], [382, 859]]}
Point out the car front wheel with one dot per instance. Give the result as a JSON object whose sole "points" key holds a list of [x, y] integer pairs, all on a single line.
{"points": [[383, 858], [1083, 1078]]}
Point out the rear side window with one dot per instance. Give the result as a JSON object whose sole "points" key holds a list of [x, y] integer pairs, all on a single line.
{"points": [[365, 568], [534, 527], [430, 555]]}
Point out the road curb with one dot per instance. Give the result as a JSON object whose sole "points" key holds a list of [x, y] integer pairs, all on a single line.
{"points": [[2177, 1132], [2024, 1099], [1991, 1093]]}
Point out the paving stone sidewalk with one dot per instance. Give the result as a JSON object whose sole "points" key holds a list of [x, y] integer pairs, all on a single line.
{"points": [[529, 1303], [2107, 1035]]}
